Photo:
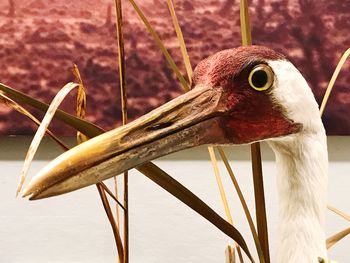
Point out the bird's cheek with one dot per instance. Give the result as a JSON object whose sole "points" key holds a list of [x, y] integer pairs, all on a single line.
{"points": [[242, 130]]}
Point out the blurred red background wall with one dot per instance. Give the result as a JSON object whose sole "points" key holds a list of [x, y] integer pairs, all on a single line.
{"points": [[40, 41]]}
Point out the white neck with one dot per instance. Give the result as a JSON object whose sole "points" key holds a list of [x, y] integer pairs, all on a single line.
{"points": [[302, 163]]}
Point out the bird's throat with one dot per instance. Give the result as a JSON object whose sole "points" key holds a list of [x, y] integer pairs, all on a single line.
{"points": [[302, 162]]}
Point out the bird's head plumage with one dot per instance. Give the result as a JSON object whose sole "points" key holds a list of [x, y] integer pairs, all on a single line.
{"points": [[239, 95]]}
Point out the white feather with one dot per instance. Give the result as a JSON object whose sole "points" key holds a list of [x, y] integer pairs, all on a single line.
{"points": [[302, 163]]}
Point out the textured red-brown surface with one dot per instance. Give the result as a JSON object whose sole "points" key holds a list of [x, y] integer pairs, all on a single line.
{"points": [[40, 40]]}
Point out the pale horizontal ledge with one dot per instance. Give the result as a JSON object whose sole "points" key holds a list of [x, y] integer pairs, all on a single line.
{"points": [[15, 148]]}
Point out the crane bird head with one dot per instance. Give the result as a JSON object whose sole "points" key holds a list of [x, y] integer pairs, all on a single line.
{"points": [[239, 96]]}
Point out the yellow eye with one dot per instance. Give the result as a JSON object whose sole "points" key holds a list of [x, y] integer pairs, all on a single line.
{"points": [[261, 77]]}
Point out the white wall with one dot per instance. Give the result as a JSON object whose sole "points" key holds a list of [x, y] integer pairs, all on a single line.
{"points": [[74, 228]]}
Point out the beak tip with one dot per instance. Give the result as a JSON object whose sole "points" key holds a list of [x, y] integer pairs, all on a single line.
{"points": [[25, 194], [35, 192], [28, 192], [30, 196], [33, 189]]}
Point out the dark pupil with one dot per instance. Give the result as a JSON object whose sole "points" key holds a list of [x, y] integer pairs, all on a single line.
{"points": [[259, 78]]}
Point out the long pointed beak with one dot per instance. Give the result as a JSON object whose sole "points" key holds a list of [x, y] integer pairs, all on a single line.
{"points": [[187, 121]]}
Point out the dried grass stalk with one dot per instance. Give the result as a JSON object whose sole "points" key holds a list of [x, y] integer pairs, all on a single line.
{"points": [[230, 254], [244, 205], [189, 71], [116, 196], [259, 194], [109, 192], [245, 23], [81, 102], [88, 128], [114, 226], [161, 46], [331, 241], [333, 79], [223, 194], [181, 40], [81, 111], [338, 212], [42, 129], [14, 105], [220, 185], [123, 95]]}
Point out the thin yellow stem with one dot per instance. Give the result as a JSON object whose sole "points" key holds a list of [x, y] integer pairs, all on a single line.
{"points": [[333, 79], [331, 241], [244, 204], [81, 102], [101, 187], [181, 40], [115, 183], [223, 194], [338, 212], [220, 185], [116, 232], [121, 62], [109, 192], [161, 46], [189, 71], [14, 105], [60, 96], [245, 23], [259, 194]]}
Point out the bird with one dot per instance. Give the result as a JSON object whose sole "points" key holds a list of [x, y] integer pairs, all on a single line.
{"points": [[239, 96]]}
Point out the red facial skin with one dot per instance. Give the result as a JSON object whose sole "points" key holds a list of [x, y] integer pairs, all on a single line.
{"points": [[252, 115]]}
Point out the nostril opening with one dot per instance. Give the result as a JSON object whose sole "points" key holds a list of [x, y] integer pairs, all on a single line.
{"points": [[159, 126]]}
